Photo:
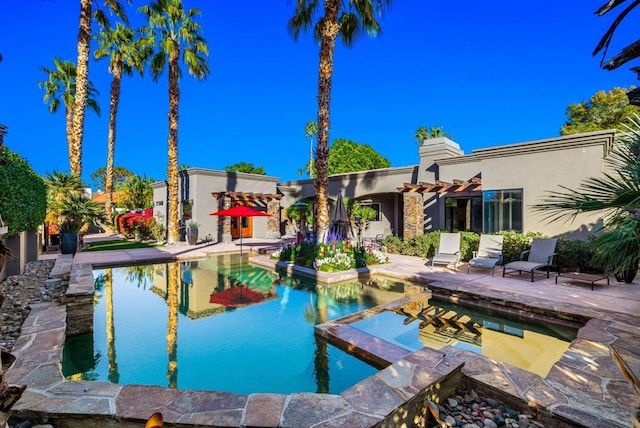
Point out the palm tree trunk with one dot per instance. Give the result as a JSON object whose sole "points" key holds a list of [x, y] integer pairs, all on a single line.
{"points": [[69, 129], [327, 46], [172, 171], [82, 86], [111, 141]]}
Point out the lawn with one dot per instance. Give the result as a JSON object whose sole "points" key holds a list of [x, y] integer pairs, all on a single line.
{"points": [[119, 245]]}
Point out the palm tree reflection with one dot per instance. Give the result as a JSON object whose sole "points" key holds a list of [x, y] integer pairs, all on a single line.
{"points": [[173, 288], [114, 376]]}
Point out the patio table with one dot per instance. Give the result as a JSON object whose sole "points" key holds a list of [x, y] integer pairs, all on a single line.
{"points": [[582, 277]]}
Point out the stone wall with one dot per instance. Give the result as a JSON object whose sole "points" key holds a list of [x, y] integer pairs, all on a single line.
{"points": [[413, 215], [79, 296]]}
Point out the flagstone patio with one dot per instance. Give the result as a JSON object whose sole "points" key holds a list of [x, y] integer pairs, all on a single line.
{"points": [[585, 388]]}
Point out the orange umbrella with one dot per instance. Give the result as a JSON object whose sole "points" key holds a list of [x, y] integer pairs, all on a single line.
{"points": [[241, 211]]}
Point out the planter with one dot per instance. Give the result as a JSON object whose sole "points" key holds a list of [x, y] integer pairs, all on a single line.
{"points": [[69, 243], [628, 275], [192, 235]]}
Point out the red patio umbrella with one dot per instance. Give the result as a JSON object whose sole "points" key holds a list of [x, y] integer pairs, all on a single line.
{"points": [[241, 211], [236, 296]]}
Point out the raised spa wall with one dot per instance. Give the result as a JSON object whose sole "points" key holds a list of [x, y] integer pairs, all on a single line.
{"points": [[395, 396]]}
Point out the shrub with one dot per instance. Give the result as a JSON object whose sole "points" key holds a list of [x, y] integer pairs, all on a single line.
{"points": [[135, 225], [23, 194], [331, 257]]}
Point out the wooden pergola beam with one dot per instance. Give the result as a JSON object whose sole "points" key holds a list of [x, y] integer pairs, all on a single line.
{"points": [[475, 184]]}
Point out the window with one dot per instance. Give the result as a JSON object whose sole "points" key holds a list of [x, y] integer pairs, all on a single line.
{"points": [[502, 210], [374, 206], [463, 214]]}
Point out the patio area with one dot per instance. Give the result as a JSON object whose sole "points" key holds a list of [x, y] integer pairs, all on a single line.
{"points": [[585, 388]]}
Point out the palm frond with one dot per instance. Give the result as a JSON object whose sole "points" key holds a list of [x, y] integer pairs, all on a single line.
{"points": [[605, 41]]}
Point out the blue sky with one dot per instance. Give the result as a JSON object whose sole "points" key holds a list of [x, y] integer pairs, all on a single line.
{"points": [[490, 73]]}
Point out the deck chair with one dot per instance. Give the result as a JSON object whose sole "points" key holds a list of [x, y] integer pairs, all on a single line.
{"points": [[539, 256], [489, 253], [448, 251]]}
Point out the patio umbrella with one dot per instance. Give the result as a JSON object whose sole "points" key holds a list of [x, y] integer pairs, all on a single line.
{"points": [[241, 211], [236, 296], [338, 216]]}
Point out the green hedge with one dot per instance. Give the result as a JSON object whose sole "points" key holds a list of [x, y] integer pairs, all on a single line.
{"points": [[573, 254], [23, 194]]}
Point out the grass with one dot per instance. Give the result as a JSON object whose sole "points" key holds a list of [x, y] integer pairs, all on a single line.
{"points": [[119, 245]]}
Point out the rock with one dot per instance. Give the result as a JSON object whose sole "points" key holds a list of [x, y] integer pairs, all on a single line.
{"points": [[453, 403], [491, 402], [450, 421], [488, 423]]}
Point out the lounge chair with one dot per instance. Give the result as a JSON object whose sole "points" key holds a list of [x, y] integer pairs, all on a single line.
{"points": [[448, 251], [540, 256], [489, 253]]}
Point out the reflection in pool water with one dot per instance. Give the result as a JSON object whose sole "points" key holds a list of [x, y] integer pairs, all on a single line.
{"points": [[530, 344], [159, 325]]}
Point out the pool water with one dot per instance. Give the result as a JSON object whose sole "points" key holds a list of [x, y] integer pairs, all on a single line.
{"points": [[530, 344], [174, 325]]}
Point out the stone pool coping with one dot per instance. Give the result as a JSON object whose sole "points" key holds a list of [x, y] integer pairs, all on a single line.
{"points": [[585, 388]]}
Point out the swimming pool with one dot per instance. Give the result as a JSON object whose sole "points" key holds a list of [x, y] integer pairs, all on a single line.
{"points": [[175, 325], [532, 344]]}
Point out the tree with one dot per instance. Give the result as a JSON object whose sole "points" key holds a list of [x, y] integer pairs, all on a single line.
{"points": [[423, 133], [616, 195], [174, 33], [349, 24], [603, 110], [136, 193], [125, 54], [310, 130], [66, 202], [348, 156], [82, 79], [99, 176], [245, 167], [60, 89]]}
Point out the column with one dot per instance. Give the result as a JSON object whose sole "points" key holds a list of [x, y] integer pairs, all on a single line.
{"points": [[413, 216], [273, 222]]}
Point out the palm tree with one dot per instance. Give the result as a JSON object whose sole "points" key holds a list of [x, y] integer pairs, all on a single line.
{"points": [[175, 33], [125, 55], [627, 53], [347, 20], [310, 130], [616, 195], [82, 80], [423, 133], [60, 89]]}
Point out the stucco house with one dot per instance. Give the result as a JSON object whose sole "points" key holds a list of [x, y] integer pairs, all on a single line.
{"points": [[488, 190]]}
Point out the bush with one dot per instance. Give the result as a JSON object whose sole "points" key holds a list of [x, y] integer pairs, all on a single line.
{"points": [[331, 257], [134, 225], [23, 194], [425, 245]]}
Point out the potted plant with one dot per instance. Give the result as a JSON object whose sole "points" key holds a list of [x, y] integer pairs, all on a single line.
{"points": [[192, 232], [69, 236]]}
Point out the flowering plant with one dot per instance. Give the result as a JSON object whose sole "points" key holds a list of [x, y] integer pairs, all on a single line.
{"points": [[332, 256]]}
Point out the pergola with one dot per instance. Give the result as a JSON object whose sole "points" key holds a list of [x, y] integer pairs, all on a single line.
{"points": [[472, 185], [247, 198]]}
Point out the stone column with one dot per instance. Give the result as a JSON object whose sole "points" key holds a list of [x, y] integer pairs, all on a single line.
{"points": [[413, 216], [273, 222], [224, 222]]}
